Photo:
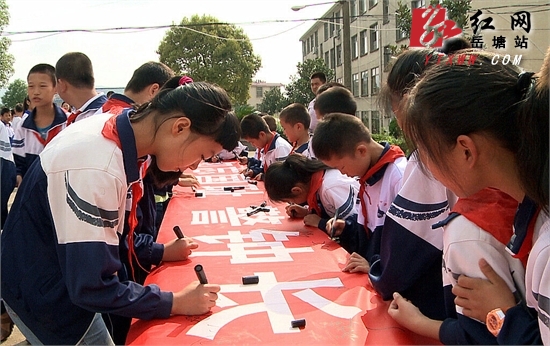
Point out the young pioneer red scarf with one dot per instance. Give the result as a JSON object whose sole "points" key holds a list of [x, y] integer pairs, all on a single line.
{"points": [[314, 186], [110, 132], [51, 134], [267, 146], [393, 153]]}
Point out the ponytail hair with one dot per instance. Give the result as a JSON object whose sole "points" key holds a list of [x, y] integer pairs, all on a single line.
{"points": [[282, 176], [532, 154], [207, 106]]}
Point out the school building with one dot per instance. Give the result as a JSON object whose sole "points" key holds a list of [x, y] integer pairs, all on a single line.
{"points": [[257, 90], [373, 31]]}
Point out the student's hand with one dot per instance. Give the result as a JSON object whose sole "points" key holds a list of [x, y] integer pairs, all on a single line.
{"points": [[243, 160], [338, 226], [18, 180], [259, 177], [188, 176], [406, 314], [356, 264], [296, 211], [178, 249], [195, 299], [312, 220], [215, 159], [189, 182], [478, 297], [247, 172]]}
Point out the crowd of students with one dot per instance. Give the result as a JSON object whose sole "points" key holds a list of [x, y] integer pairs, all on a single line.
{"points": [[456, 235]]}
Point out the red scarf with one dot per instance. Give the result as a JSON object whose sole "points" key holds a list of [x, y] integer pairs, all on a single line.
{"points": [[114, 106], [51, 134], [314, 186], [72, 117], [389, 156], [110, 132], [266, 148], [527, 245]]}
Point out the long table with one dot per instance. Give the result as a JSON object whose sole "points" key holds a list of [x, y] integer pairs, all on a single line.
{"points": [[299, 270]]}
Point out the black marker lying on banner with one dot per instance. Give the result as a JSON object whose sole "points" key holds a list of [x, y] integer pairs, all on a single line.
{"points": [[255, 210], [233, 188]]}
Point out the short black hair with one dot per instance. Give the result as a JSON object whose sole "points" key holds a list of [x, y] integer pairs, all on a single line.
{"points": [[252, 125], [45, 69], [295, 113], [335, 100], [149, 73], [5, 110], [271, 122], [19, 108], [76, 69], [320, 75], [338, 135]]}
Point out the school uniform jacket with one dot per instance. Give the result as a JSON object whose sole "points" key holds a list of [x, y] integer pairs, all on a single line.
{"points": [[478, 227], [27, 142], [337, 191], [88, 109], [60, 253], [380, 191], [415, 270], [278, 150], [530, 325]]}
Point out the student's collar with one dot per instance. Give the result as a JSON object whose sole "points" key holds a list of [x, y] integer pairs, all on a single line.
{"points": [[524, 224], [122, 98], [94, 103], [271, 144], [60, 117], [389, 154]]}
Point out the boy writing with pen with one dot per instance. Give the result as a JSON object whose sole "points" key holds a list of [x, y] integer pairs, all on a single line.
{"points": [[380, 167]]}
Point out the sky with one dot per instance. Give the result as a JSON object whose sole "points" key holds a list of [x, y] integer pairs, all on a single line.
{"points": [[115, 55]]}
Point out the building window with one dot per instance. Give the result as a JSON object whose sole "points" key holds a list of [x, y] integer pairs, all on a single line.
{"points": [[372, 3], [355, 84], [332, 58], [352, 9], [325, 31], [364, 83], [337, 18], [327, 59], [259, 92], [304, 48], [362, 6], [363, 42], [339, 55], [374, 37], [385, 11], [354, 48], [387, 57], [375, 122], [418, 3], [332, 26], [316, 39], [365, 118], [400, 35], [374, 80]]}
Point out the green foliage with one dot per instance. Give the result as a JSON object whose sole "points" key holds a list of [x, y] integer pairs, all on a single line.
{"points": [[273, 102], [394, 129], [241, 110], [299, 89], [16, 93], [392, 140], [403, 17], [216, 53], [6, 59]]}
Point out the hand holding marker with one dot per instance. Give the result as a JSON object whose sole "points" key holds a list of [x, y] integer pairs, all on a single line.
{"points": [[333, 222]]}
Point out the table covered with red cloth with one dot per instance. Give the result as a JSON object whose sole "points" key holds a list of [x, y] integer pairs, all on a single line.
{"points": [[299, 270]]}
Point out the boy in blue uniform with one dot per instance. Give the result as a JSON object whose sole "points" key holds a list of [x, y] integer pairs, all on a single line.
{"points": [[43, 124]]}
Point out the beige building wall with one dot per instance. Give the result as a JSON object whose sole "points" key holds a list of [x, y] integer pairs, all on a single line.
{"points": [[257, 91], [373, 30]]}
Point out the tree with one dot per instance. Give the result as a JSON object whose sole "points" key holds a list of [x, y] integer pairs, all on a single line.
{"points": [[212, 52], [6, 59], [16, 93], [241, 110], [273, 102], [457, 10], [299, 90]]}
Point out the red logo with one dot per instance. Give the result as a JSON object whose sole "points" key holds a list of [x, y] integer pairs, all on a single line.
{"points": [[430, 27]]}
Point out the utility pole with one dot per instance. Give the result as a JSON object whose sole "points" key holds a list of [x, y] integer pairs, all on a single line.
{"points": [[347, 43]]}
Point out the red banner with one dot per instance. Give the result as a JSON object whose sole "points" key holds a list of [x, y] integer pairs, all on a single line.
{"points": [[299, 272]]}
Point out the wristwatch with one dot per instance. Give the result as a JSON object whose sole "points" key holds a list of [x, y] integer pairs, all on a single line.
{"points": [[495, 320]]}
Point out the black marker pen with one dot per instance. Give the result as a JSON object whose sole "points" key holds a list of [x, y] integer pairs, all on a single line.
{"points": [[178, 232], [200, 274]]}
